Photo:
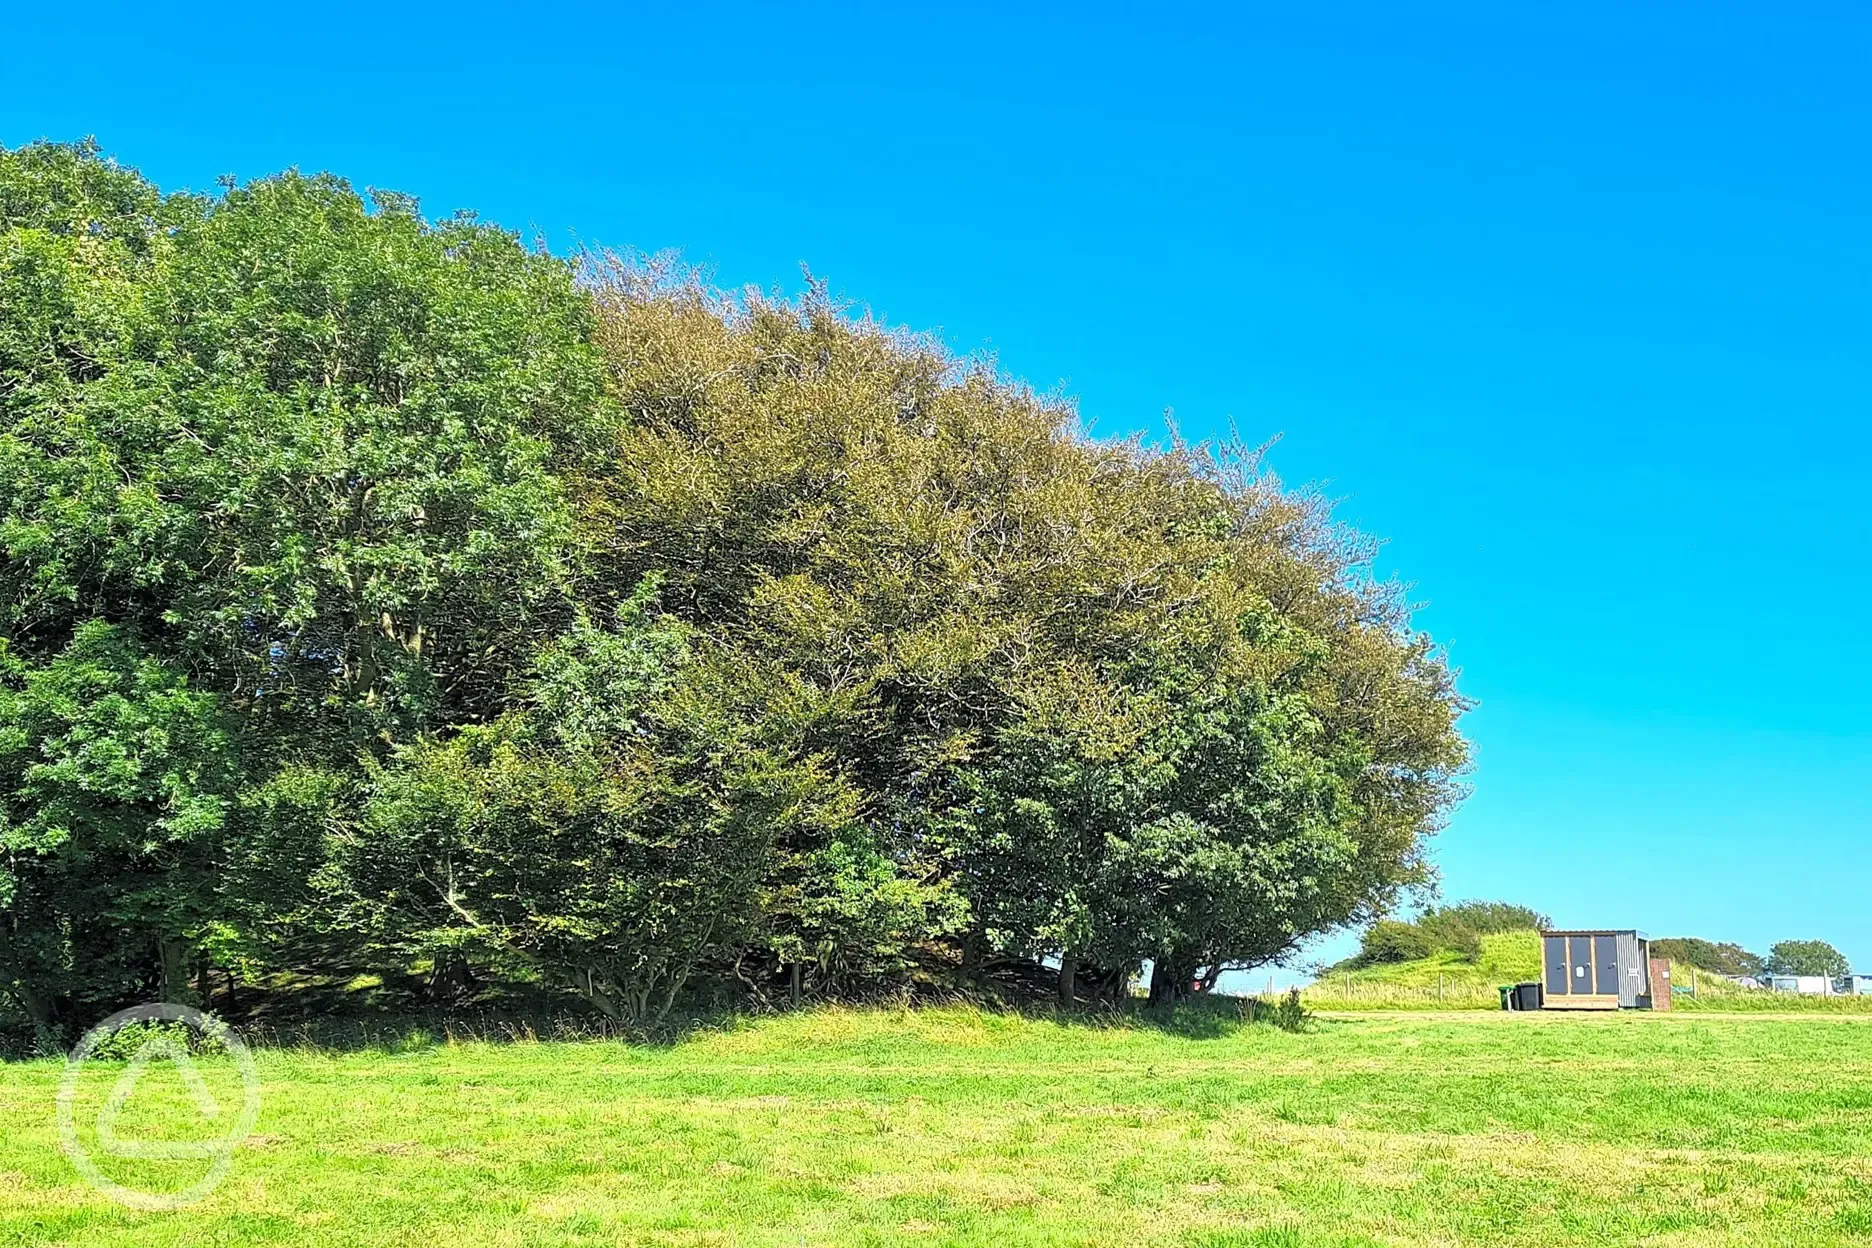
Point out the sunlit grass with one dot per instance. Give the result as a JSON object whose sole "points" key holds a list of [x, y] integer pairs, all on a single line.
{"points": [[959, 1126]]}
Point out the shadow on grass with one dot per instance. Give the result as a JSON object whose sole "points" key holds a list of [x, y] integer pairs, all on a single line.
{"points": [[1213, 1016], [1216, 1017], [323, 1016]]}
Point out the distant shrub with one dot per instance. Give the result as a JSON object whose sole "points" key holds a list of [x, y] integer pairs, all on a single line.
{"points": [[1290, 1013], [1391, 940], [128, 1040], [1725, 959], [1487, 918]]}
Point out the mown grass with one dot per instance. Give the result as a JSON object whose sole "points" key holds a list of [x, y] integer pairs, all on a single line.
{"points": [[957, 1126]]}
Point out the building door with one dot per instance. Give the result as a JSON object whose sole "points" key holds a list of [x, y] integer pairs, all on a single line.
{"points": [[1605, 965], [1554, 951], [1579, 968]]}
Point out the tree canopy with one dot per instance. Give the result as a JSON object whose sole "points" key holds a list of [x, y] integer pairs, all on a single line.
{"points": [[379, 593], [1457, 927], [1806, 957]]}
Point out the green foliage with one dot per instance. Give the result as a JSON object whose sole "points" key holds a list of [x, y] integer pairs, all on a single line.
{"points": [[309, 453], [1290, 1013], [1806, 957], [1068, 691], [1458, 928], [379, 594], [114, 784], [1209, 798], [615, 832], [313, 450], [1390, 940], [1725, 959], [1487, 918], [1450, 932], [70, 191]]}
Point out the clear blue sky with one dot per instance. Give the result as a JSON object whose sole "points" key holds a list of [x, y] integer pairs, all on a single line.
{"points": [[1573, 304]]}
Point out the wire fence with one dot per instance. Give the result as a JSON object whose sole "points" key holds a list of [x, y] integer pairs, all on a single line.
{"points": [[1344, 993]]}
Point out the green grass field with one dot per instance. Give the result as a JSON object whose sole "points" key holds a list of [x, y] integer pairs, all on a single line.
{"points": [[954, 1126]]}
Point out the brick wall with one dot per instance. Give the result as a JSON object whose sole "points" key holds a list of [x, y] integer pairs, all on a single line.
{"points": [[1660, 984]]}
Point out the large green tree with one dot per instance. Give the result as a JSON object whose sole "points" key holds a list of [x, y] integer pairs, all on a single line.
{"points": [[1132, 701], [379, 591], [115, 779], [306, 452], [314, 450]]}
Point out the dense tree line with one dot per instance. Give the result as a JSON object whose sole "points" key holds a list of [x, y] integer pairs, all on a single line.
{"points": [[383, 593]]}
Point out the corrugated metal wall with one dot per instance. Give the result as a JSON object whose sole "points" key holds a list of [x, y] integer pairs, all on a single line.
{"points": [[1632, 971]]}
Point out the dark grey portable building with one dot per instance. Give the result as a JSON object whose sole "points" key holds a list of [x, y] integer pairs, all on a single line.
{"points": [[1606, 969]]}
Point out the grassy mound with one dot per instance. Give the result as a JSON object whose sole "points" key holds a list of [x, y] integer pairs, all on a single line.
{"points": [[1444, 980]]}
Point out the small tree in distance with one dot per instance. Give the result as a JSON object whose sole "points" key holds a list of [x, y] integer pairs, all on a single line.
{"points": [[1807, 957]]}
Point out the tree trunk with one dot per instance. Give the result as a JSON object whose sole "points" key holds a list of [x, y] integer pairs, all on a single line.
{"points": [[1171, 976], [39, 1009], [1160, 992], [1068, 977], [971, 954], [174, 952], [585, 983], [450, 977]]}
